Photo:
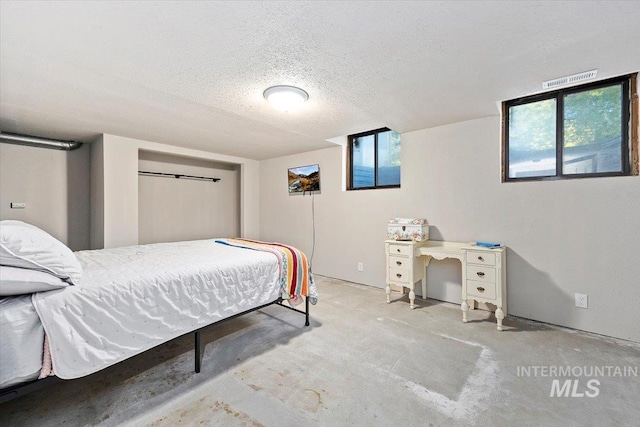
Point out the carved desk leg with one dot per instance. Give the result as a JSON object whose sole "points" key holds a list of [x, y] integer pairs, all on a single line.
{"points": [[388, 291], [465, 308], [427, 260], [412, 298], [499, 317]]}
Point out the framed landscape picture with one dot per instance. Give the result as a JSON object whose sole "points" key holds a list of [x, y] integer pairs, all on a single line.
{"points": [[304, 178]]}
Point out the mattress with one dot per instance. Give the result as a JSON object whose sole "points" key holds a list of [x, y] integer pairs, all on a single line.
{"points": [[21, 341], [134, 298]]}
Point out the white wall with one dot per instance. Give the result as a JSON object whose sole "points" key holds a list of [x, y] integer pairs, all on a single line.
{"points": [[97, 193], [563, 236], [171, 210], [119, 186], [120, 191], [55, 186]]}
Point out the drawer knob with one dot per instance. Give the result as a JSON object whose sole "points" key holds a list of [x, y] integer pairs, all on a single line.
{"points": [[399, 263], [398, 249], [480, 274], [398, 275], [480, 289], [480, 258]]}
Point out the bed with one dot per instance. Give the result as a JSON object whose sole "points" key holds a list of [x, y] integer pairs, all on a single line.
{"points": [[131, 299]]}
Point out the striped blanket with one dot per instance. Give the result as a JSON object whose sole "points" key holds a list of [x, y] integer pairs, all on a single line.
{"points": [[295, 274]]}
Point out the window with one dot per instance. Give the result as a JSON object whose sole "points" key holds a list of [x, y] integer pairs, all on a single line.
{"points": [[373, 160], [576, 132]]}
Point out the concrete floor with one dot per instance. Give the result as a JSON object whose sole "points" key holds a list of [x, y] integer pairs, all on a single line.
{"points": [[361, 363]]}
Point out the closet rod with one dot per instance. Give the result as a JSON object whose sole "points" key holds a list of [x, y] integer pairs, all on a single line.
{"points": [[179, 175]]}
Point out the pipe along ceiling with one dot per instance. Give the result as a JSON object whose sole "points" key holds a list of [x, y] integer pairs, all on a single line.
{"points": [[34, 141]]}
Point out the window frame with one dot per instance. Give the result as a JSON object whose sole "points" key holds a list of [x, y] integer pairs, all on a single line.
{"points": [[629, 138], [350, 140]]}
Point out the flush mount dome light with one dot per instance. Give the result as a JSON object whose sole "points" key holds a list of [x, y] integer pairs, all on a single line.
{"points": [[286, 98]]}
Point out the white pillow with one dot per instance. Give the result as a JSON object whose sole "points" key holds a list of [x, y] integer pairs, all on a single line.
{"points": [[26, 246], [18, 281]]}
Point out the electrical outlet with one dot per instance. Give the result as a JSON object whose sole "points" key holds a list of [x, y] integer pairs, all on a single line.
{"points": [[360, 266], [582, 300]]}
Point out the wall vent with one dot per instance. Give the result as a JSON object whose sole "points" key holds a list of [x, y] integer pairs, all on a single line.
{"points": [[576, 78]]}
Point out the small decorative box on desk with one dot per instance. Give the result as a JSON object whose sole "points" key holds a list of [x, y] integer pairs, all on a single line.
{"points": [[416, 229], [484, 279], [404, 268]]}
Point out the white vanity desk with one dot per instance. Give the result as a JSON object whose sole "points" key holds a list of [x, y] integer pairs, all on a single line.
{"points": [[440, 250], [483, 271]]}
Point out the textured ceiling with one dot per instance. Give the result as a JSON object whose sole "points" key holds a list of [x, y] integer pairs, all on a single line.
{"points": [[192, 73]]}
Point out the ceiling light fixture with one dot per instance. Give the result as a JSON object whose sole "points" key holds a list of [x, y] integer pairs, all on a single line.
{"points": [[285, 98]]}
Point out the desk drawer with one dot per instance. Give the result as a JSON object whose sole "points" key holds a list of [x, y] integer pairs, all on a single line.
{"points": [[480, 273], [481, 258], [400, 262], [401, 250], [399, 275], [481, 289]]}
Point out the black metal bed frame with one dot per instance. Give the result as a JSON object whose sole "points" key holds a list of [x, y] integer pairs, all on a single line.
{"points": [[19, 390]]}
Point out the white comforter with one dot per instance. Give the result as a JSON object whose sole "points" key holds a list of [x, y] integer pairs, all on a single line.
{"points": [[133, 298], [21, 341]]}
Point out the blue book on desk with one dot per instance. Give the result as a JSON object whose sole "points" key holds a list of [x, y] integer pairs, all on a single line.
{"points": [[488, 244]]}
